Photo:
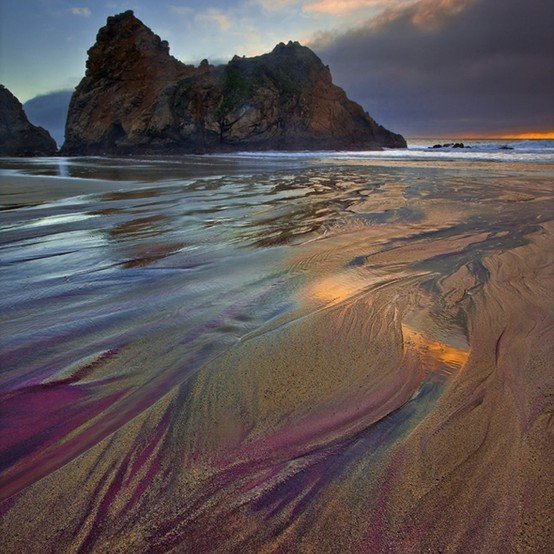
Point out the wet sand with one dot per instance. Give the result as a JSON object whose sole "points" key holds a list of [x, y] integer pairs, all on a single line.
{"points": [[293, 357]]}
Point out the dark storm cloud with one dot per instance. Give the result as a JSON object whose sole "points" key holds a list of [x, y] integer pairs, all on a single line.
{"points": [[451, 66], [50, 111]]}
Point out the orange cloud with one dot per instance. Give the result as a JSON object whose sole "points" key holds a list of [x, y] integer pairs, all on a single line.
{"points": [[340, 7], [425, 14]]}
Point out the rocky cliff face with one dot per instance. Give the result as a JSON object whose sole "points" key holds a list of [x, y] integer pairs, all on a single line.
{"points": [[18, 137], [136, 98]]}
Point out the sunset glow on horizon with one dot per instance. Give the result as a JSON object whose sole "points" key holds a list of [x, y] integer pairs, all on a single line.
{"points": [[549, 135]]}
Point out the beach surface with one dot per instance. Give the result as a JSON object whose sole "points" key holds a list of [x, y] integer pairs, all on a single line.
{"points": [[277, 353]]}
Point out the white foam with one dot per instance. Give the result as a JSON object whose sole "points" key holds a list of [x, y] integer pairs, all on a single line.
{"points": [[529, 151]]}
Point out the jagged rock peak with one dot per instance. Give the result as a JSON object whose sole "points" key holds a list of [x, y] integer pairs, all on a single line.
{"points": [[124, 42], [300, 63], [18, 137], [124, 25], [292, 46]]}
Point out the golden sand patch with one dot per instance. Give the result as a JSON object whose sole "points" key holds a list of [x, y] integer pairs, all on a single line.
{"points": [[331, 289], [435, 354]]}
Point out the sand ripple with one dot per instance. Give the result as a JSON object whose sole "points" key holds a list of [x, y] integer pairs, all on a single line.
{"points": [[290, 359]]}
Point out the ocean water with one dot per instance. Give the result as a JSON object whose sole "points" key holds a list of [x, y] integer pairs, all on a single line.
{"points": [[212, 352], [530, 151]]}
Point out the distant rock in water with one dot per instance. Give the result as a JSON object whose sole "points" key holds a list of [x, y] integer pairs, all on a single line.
{"points": [[17, 136], [450, 145], [136, 98]]}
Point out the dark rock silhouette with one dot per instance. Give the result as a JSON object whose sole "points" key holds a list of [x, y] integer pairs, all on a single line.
{"points": [[136, 98], [450, 145], [18, 137]]}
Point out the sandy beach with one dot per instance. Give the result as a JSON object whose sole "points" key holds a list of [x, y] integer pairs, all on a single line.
{"points": [[276, 354]]}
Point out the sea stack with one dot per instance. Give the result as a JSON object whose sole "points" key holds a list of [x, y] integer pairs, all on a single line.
{"points": [[136, 98], [18, 137]]}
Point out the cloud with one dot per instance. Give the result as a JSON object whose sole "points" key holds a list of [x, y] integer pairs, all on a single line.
{"points": [[442, 66], [426, 14], [327, 7], [213, 15], [209, 16], [342, 7], [275, 5], [83, 12]]}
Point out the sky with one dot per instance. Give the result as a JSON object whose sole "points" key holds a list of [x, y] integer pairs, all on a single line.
{"points": [[420, 67]]}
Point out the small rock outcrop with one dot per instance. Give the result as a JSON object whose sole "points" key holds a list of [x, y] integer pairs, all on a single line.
{"points": [[136, 98], [18, 137], [450, 145]]}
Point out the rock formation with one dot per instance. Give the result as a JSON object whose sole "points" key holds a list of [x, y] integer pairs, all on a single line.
{"points": [[449, 145], [18, 137], [136, 98]]}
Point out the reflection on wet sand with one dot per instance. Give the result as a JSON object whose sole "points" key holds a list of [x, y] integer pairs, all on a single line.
{"points": [[316, 357], [437, 355]]}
